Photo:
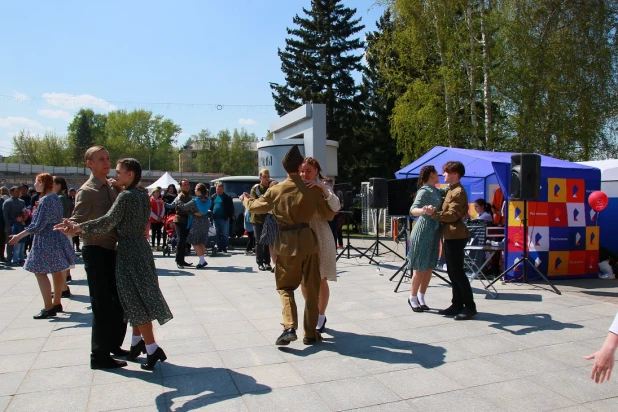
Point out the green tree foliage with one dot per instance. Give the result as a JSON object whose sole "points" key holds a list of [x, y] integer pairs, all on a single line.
{"points": [[49, 149], [86, 129], [227, 153], [318, 62]]}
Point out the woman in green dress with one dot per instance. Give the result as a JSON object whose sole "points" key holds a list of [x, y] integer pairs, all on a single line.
{"points": [[136, 276], [425, 237]]}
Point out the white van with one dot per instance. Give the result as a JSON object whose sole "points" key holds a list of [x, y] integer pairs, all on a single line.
{"points": [[235, 186]]}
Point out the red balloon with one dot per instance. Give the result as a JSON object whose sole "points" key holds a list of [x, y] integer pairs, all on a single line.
{"points": [[598, 200]]}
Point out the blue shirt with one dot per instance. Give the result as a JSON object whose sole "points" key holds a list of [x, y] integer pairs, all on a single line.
{"points": [[16, 229], [218, 211]]}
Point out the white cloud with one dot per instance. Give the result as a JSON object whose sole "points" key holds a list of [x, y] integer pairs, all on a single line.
{"points": [[72, 101], [20, 96], [56, 114], [248, 122], [20, 123]]}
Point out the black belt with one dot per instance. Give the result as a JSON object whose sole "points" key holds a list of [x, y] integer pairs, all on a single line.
{"points": [[296, 226]]}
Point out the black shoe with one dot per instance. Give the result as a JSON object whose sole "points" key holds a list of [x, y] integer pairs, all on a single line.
{"points": [[466, 314], [45, 314], [120, 352], [57, 308], [69, 278], [261, 267], [419, 309], [321, 330], [136, 350], [268, 267], [201, 265], [288, 335], [425, 307], [179, 266], [66, 293], [450, 311], [151, 360], [187, 264], [313, 341], [106, 363]]}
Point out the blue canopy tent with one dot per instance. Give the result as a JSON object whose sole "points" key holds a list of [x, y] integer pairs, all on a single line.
{"points": [[562, 231]]}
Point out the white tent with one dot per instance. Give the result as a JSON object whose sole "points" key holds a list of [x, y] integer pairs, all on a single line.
{"points": [[163, 182]]}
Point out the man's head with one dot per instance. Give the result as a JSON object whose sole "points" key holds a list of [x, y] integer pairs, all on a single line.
{"points": [[23, 189], [72, 192], [292, 160], [15, 192], [264, 177], [97, 159], [219, 188], [453, 171], [185, 187]]}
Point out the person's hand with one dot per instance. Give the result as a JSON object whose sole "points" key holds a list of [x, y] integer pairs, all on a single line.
{"points": [[244, 196], [603, 364], [13, 240], [68, 228], [198, 214], [113, 182], [430, 210], [313, 183]]}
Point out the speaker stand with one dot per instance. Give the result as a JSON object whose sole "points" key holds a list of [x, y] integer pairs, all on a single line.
{"points": [[525, 259], [348, 246], [375, 247]]}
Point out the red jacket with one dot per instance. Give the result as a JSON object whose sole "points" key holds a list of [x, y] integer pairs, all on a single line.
{"points": [[157, 210]]}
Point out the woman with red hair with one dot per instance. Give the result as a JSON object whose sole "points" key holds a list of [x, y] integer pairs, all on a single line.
{"points": [[51, 251]]}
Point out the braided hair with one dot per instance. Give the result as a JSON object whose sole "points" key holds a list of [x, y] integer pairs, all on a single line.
{"points": [[423, 176]]}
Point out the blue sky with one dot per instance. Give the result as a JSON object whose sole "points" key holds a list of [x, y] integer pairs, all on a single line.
{"points": [[180, 59]]}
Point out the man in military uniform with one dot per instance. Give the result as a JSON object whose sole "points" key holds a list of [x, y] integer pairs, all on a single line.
{"points": [[293, 205]]}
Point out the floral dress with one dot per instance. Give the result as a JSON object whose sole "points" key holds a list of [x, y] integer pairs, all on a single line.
{"points": [[425, 236], [51, 250], [326, 241], [136, 276]]}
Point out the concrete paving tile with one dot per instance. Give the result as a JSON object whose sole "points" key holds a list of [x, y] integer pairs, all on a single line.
{"points": [[17, 362], [475, 372], [571, 353], [210, 383], [9, 382], [521, 363], [260, 378], [4, 402], [604, 405], [386, 360], [328, 369], [245, 357], [418, 382], [125, 395], [297, 351], [170, 332], [13, 347], [228, 328], [437, 354], [527, 396], [43, 331], [230, 403], [57, 378], [239, 340], [267, 324], [190, 363], [460, 400], [60, 358], [401, 406], [296, 398], [130, 373], [576, 408], [350, 343], [354, 393], [61, 400], [185, 346], [77, 342], [575, 385]]}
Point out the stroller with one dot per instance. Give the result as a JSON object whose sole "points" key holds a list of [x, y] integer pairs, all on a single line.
{"points": [[172, 237]]}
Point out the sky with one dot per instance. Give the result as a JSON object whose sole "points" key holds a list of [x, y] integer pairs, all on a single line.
{"points": [[205, 64]]}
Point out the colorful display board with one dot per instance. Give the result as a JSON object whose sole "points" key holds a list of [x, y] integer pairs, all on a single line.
{"points": [[563, 236]]}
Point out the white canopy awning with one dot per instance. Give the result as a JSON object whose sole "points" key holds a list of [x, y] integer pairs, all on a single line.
{"points": [[163, 182]]}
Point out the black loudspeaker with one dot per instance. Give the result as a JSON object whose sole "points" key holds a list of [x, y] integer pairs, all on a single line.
{"points": [[525, 176], [377, 193], [401, 193]]}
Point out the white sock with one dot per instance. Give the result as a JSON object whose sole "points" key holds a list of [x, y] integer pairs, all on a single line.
{"points": [[414, 301], [150, 349], [321, 319], [135, 339], [202, 260], [421, 298]]}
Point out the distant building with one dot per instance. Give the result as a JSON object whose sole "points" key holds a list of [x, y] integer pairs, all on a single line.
{"points": [[187, 158]]}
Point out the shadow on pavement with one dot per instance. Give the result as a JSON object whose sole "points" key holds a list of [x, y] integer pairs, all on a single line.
{"points": [[531, 322]]}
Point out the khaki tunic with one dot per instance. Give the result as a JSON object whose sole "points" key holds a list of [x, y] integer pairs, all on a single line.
{"points": [[454, 210]]}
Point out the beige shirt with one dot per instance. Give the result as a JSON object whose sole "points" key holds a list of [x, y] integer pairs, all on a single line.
{"points": [[93, 200]]}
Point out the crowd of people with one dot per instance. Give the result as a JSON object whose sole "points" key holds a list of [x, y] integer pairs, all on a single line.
{"points": [[290, 231]]}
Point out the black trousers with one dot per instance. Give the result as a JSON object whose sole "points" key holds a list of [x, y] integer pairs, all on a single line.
{"points": [[181, 249], [2, 243], [76, 242], [462, 291], [251, 243], [108, 325], [155, 229], [262, 252]]}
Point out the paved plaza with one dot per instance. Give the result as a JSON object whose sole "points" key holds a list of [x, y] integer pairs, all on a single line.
{"points": [[523, 352]]}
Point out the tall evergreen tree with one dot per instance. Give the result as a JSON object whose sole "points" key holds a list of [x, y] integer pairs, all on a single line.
{"points": [[318, 62], [84, 138], [86, 129]]}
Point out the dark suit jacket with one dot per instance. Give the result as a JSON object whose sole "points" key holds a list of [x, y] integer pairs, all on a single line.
{"points": [[228, 205]]}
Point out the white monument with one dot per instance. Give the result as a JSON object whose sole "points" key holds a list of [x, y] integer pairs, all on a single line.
{"points": [[305, 127]]}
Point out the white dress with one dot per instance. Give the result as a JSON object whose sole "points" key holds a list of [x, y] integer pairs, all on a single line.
{"points": [[326, 241]]}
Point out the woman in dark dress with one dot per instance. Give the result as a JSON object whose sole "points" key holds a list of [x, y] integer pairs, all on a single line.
{"points": [[198, 231], [136, 276]]}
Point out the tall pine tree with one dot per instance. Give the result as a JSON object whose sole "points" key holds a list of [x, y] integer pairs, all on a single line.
{"points": [[318, 62]]}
